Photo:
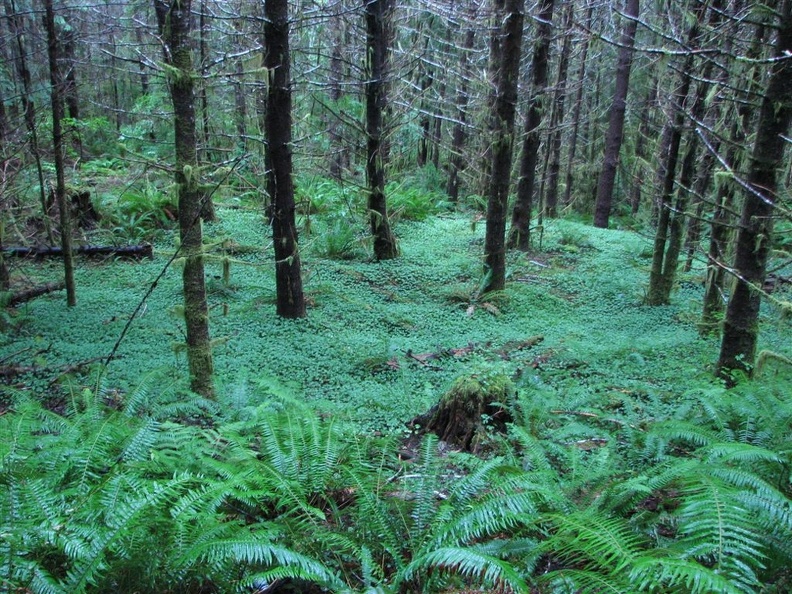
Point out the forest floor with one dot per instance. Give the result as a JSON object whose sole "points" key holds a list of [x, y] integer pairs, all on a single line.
{"points": [[383, 340]]}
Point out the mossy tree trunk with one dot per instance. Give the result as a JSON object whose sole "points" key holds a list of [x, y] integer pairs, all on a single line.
{"points": [[288, 282], [615, 134], [510, 50], [377, 12], [741, 325], [173, 17], [519, 235], [56, 96]]}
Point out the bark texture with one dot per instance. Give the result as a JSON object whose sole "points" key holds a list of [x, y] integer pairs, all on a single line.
{"points": [[520, 234], [740, 330], [58, 111], [385, 247], [502, 146], [288, 281], [173, 17], [615, 134]]}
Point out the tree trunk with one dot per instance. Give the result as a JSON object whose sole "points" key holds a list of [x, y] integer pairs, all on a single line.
{"points": [[339, 156], [671, 219], [502, 145], [458, 136], [573, 141], [615, 134], [56, 96], [16, 26], [520, 234], [173, 17], [741, 325], [557, 119], [377, 12], [240, 103], [288, 282]]}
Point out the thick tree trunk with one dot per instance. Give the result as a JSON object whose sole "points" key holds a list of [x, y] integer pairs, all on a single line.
{"points": [[520, 234], [502, 146], [377, 12], [741, 325], [288, 282], [173, 17], [56, 96], [615, 134]]}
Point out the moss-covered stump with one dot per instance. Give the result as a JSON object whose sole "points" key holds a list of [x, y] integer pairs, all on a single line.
{"points": [[473, 407]]}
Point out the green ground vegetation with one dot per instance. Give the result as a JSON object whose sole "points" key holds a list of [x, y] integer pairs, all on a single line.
{"points": [[626, 467]]}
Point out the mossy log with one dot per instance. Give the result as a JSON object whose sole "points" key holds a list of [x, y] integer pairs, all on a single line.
{"points": [[473, 407], [17, 297], [144, 250]]}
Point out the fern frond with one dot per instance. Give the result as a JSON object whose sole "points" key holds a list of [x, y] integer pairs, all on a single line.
{"points": [[578, 581], [664, 574], [467, 563], [739, 452], [593, 538]]}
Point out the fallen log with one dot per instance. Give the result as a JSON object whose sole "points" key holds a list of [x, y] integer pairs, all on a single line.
{"points": [[144, 250], [18, 297]]}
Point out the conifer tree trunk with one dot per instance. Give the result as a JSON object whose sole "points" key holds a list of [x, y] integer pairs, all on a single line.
{"points": [[502, 145], [741, 325], [671, 218], [173, 18], [615, 134], [377, 12], [56, 96], [573, 141], [16, 26], [520, 234], [557, 118], [339, 157], [288, 282], [458, 136]]}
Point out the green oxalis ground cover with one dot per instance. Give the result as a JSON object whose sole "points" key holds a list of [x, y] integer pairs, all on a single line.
{"points": [[359, 354]]}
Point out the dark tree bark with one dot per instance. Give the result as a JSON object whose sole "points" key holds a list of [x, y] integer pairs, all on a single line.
{"points": [[741, 325], [615, 134], [520, 234], [203, 32], [377, 13], [56, 96], [339, 156], [557, 118], [671, 218], [240, 103], [173, 18], [288, 282], [458, 136], [16, 26], [502, 145], [573, 141]]}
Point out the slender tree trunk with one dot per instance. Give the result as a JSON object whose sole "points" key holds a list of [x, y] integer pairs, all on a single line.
{"points": [[142, 69], [203, 31], [288, 282], [377, 12], [671, 220], [573, 141], [339, 157], [644, 130], [56, 95], [16, 27], [241, 105], [520, 234], [615, 134], [458, 136], [741, 325], [502, 145], [173, 17], [557, 118]]}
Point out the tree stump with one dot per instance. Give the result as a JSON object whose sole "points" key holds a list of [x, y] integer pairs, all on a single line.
{"points": [[473, 407]]}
